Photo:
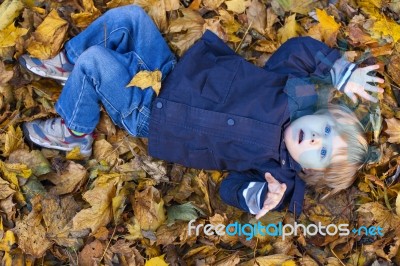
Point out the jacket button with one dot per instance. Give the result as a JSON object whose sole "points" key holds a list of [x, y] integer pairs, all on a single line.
{"points": [[231, 122], [159, 105], [283, 162]]}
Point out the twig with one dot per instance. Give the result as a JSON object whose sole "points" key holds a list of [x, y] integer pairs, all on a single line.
{"points": [[341, 262], [108, 244], [244, 36]]}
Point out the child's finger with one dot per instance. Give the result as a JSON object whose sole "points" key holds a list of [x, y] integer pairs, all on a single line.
{"points": [[375, 79], [370, 68], [351, 95], [269, 178], [367, 97], [369, 87]]}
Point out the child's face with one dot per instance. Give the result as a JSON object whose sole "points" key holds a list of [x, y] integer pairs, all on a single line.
{"points": [[312, 141]]}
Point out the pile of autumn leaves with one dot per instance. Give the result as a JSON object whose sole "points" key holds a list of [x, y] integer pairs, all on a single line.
{"points": [[123, 207]]}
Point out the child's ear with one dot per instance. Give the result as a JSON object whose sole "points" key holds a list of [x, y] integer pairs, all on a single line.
{"points": [[308, 171]]}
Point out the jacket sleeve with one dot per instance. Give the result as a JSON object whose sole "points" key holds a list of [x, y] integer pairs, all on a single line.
{"points": [[244, 190], [305, 57], [247, 191]]}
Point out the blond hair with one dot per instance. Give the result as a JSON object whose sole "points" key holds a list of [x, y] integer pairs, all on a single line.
{"points": [[341, 174]]}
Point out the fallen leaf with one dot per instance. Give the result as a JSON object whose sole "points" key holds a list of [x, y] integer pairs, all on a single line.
{"points": [[33, 242], [5, 190], [272, 260], [127, 249], [393, 130], [104, 151], [144, 79], [13, 140], [148, 207], [33, 159], [293, 6], [10, 35], [329, 28], [157, 261], [289, 30], [48, 38], [90, 13], [190, 27], [212, 4], [9, 10], [184, 212], [381, 216], [398, 204], [257, 16], [237, 6], [69, 180], [75, 154], [231, 26], [156, 9], [57, 214], [91, 252], [100, 212]]}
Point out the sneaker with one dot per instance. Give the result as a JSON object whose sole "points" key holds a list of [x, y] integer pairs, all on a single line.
{"points": [[54, 134], [57, 68]]}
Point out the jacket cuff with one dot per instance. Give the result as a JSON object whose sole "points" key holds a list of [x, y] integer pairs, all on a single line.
{"points": [[252, 196], [341, 72]]}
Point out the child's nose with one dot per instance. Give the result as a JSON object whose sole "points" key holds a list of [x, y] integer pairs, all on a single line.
{"points": [[315, 139]]}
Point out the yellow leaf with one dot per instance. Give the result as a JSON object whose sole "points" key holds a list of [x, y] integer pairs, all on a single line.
{"points": [[68, 180], [157, 261], [289, 30], [10, 34], [8, 241], [134, 230], [230, 24], [327, 27], [90, 13], [11, 172], [144, 79], [13, 140], [237, 6], [387, 26], [116, 3], [393, 130], [398, 204], [75, 154], [9, 10], [49, 36]]}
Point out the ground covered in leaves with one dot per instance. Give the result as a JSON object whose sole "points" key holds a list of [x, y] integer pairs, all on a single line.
{"points": [[122, 207]]}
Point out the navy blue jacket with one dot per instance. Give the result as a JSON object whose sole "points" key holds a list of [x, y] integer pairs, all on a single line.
{"points": [[218, 111]]}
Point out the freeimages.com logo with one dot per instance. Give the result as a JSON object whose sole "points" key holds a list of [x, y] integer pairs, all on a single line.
{"points": [[250, 230]]}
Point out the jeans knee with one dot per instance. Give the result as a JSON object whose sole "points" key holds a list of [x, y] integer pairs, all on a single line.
{"points": [[91, 56]]}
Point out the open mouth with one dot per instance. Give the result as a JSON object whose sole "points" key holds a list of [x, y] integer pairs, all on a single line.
{"points": [[301, 136]]}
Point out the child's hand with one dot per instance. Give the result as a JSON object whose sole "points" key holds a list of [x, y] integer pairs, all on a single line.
{"points": [[357, 84], [274, 195]]}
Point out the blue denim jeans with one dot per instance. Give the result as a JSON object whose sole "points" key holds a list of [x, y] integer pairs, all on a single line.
{"points": [[106, 56]]}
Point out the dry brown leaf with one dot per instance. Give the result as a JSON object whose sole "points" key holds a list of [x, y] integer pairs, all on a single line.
{"points": [[212, 4], [70, 179], [57, 215], [49, 37], [9, 208], [148, 207], [276, 259], [116, 3], [128, 251], [237, 6], [145, 79], [382, 216], [91, 252], [33, 242], [100, 212], [393, 130], [5, 190], [231, 26], [201, 183], [257, 16], [190, 27], [394, 68], [156, 9], [34, 160], [104, 151]]}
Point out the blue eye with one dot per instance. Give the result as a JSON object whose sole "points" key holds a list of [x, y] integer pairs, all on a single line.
{"points": [[323, 152], [327, 129]]}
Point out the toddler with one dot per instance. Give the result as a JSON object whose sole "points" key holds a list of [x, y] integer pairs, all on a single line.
{"points": [[215, 110]]}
